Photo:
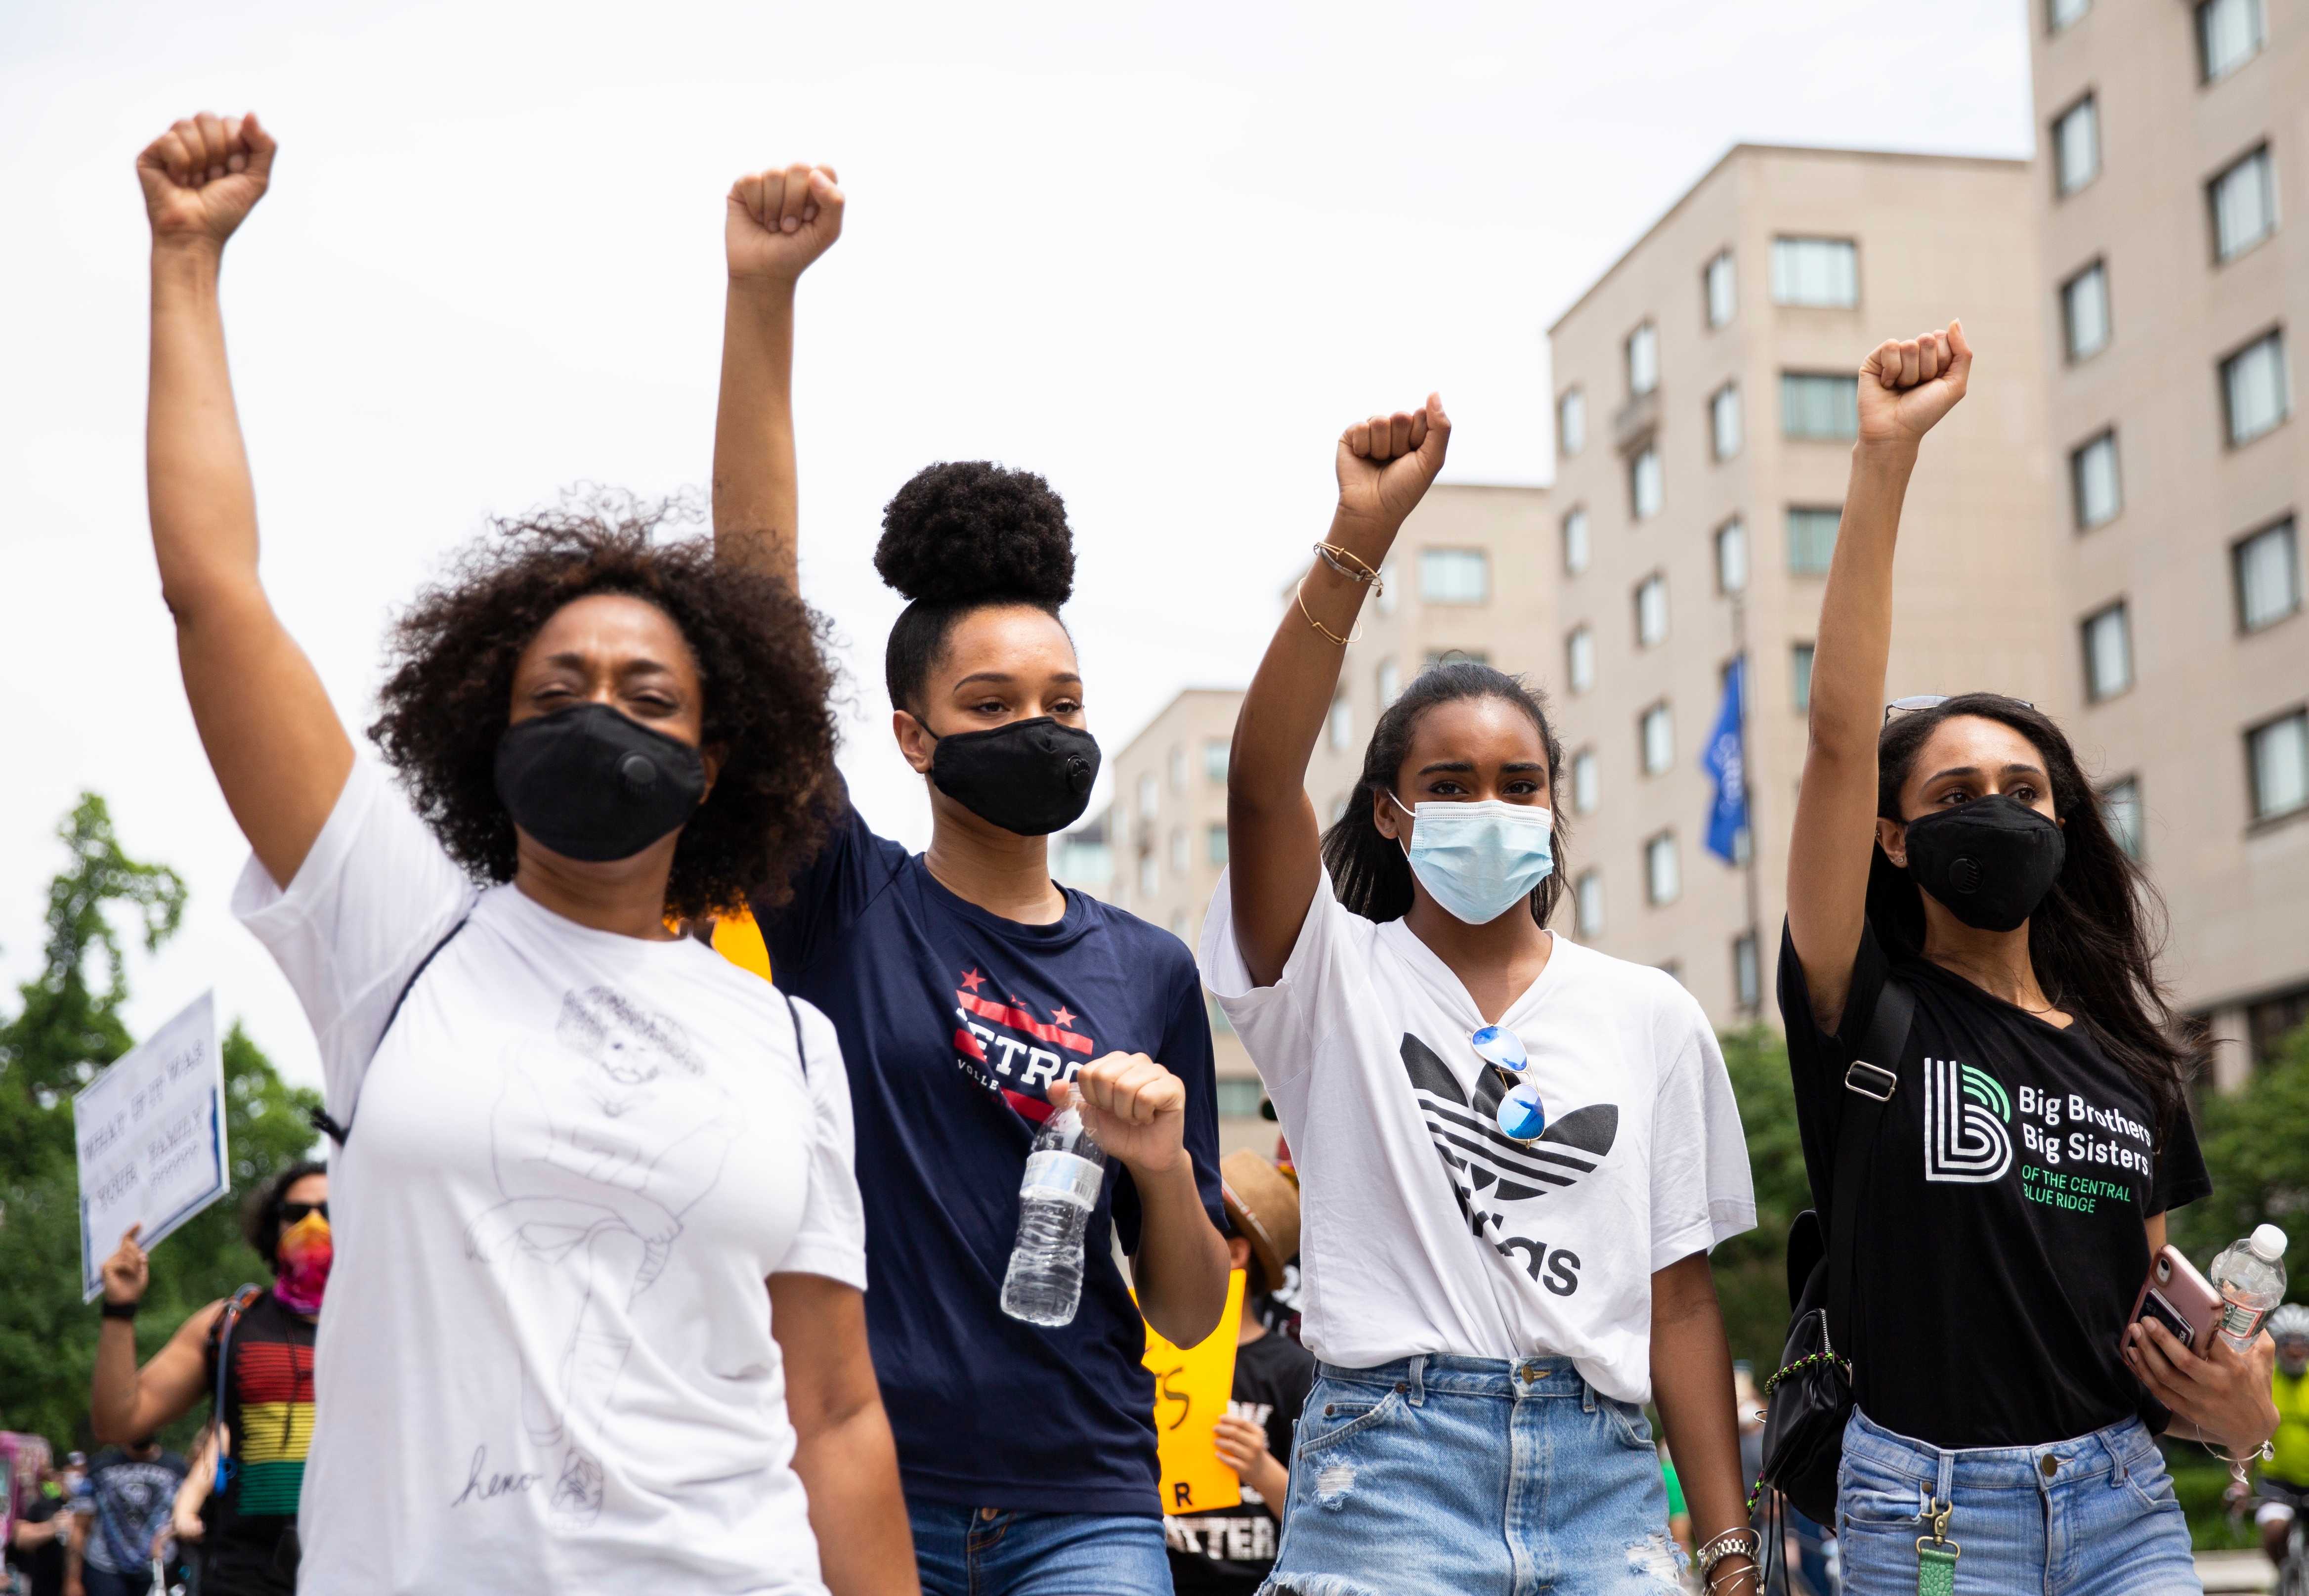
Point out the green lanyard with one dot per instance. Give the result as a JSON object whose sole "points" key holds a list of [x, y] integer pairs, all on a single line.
{"points": [[1936, 1560]]}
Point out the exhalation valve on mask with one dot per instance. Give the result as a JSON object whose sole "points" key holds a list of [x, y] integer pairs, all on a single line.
{"points": [[593, 784], [1031, 777], [1990, 863]]}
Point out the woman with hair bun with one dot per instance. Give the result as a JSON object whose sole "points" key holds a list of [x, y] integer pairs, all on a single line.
{"points": [[973, 995]]}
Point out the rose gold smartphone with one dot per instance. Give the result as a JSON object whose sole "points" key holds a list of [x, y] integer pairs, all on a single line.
{"points": [[2176, 1297]]}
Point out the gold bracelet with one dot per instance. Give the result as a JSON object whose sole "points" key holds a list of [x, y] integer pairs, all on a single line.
{"points": [[1333, 554], [1357, 636]]}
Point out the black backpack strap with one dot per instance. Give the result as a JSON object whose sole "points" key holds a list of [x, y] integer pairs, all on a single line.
{"points": [[800, 1052], [220, 1331], [1871, 1078], [322, 1120]]}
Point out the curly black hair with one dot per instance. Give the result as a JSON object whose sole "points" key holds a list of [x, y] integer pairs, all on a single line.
{"points": [[960, 535], [260, 1213], [761, 662]]}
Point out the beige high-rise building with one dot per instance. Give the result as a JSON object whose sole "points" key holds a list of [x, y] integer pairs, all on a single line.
{"points": [[1706, 408], [2174, 283]]}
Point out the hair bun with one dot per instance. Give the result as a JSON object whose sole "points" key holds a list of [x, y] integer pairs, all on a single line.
{"points": [[970, 529]]}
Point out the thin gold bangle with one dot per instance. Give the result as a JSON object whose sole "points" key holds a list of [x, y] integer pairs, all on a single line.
{"points": [[1355, 637]]}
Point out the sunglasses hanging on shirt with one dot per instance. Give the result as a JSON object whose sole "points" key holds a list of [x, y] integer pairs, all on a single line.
{"points": [[1521, 1115]]}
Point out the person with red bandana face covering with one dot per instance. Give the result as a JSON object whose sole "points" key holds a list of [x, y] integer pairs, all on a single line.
{"points": [[253, 1353]]}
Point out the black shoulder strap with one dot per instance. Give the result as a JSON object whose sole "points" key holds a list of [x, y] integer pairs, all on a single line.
{"points": [[220, 1331], [1871, 1079], [800, 1052], [322, 1120]]}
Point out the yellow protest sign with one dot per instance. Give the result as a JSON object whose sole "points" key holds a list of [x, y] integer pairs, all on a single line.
{"points": [[1191, 1388]]}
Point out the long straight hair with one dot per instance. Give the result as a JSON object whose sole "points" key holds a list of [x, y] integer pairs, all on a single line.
{"points": [[2094, 941], [1369, 871]]}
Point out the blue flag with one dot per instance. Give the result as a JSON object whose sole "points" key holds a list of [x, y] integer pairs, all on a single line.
{"points": [[1725, 761]]}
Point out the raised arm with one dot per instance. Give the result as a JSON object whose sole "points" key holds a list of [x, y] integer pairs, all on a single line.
{"points": [[778, 223], [1385, 465], [1906, 386], [279, 750]]}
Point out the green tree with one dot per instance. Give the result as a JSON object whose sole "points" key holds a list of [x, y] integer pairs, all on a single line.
{"points": [[2256, 1147], [1751, 1269], [68, 1027]]}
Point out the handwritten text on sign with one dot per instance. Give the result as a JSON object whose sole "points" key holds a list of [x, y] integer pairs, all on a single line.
{"points": [[150, 1134]]}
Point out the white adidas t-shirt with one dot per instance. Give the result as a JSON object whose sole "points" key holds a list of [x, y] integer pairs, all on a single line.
{"points": [[1425, 1229], [546, 1362]]}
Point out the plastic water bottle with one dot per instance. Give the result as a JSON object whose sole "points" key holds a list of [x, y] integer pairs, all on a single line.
{"points": [[2250, 1276], [1063, 1176]]}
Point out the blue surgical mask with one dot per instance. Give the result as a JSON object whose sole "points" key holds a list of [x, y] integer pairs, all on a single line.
{"points": [[1480, 860]]}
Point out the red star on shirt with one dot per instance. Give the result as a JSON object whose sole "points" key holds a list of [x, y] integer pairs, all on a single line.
{"points": [[973, 980], [1063, 1015]]}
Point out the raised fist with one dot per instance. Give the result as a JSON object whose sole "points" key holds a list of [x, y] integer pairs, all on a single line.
{"points": [[202, 177], [127, 1271], [782, 220], [1907, 385], [1386, 463]]}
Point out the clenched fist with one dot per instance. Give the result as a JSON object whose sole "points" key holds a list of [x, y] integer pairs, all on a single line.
{"points": [[127, 1273], [782, 220], [1134, 1108], [1386, 463], [203, 177], [1907, 385]]}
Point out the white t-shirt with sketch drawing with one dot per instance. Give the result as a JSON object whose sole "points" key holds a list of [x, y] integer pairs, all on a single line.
{"points": [[1423, 1228], [546, 1361]]}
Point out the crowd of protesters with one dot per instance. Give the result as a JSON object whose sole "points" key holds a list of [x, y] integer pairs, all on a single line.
{"points": [[645, 1271]]}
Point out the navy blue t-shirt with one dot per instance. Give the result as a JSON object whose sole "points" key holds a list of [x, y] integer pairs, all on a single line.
{"points": [[954, 1022]]}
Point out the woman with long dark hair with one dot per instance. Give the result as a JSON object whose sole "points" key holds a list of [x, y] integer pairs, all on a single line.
{"points": [[2033, 1130], [595, 1312], [1515, 1152], [974, 995]]}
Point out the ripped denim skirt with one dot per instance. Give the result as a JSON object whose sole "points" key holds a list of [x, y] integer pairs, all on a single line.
{"points": [[1439, 1476]]}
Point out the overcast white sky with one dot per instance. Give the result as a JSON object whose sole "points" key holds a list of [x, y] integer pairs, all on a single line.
{"points": [[1160, 254]]}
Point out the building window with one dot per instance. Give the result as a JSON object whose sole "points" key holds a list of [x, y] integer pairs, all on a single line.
{"points": [[2120, 806], [2268, 576], [1662, 875], [1342, 724], [2076, 146], [2244, 200], [1178, 769], [1747, 977], [2229, 33], [1575, 543], [1644, 484], [2060, 13], [2108, 653], [1819, 404], [1799, 676], [1455, 656], [1643, 360], [1588, 898], [1150, 875], [1178, 851], [1584, 779], [2092, 479], [1455, 576], [2254, 388], [1812, 539], [1731, 557], [1581, 652], [1215, 843], [1656, 734], [2279, 753], [1570, 421], [1149, 797], [1719, 291], [1651, 611], [1214, 760], [1724, 420], [1818, 271], [1236, 1099], [2084, 311], [1390, 682]]}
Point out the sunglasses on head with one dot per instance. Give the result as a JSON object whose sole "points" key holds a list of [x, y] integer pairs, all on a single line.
{"points": [[293, 1213], [1917, 701], [1521, 1115]]}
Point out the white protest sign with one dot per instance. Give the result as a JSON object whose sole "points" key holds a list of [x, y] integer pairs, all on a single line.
{"points": [[150, 1130]]}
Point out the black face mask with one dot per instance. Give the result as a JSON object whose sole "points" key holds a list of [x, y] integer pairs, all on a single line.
{"points": [[1989, 863], [1030, 777], [594, 784]]}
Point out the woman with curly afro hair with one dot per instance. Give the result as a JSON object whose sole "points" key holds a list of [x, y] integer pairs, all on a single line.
{"points": [[575, 1145], [973, 997]]}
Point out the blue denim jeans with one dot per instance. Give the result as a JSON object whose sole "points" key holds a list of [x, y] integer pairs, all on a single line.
{"points": [[992, 1551], [1465, 1476], [2095, 1516]]}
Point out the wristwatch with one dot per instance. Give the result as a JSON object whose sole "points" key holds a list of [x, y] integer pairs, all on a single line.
{"points": [[120, 1310]]}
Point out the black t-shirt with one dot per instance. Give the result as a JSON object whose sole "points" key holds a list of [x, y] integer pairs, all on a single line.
{"points": [[2001, 1229], [43, 1566], [251, 1546], [1228, 1551]]}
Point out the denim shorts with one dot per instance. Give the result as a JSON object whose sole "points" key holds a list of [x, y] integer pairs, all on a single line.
{"points": [[995, 1551], [2095, 1516], [1441, 1476]]}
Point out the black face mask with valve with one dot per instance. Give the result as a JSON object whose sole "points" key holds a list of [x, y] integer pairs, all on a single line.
{"points": [[1030, 777], [1990, 863], [595, 785]]}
